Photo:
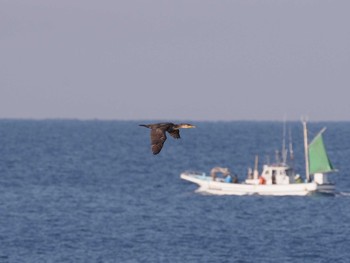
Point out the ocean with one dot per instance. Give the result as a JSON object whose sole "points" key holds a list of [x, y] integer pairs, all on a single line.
{"points": [[92, 191]]}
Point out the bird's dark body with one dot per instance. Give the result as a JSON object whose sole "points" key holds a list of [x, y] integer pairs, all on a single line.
{"points": [[158, 133]]}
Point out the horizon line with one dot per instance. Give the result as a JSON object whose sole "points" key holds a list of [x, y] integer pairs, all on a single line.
{"points": [[158, 119]]}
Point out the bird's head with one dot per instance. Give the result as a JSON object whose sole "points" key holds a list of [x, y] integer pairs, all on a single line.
{"points": [[185, 126]]}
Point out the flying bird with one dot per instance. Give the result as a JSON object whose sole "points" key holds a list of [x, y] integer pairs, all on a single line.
{"points": [[158, 133]]}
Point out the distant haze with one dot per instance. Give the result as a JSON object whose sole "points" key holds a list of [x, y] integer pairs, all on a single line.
{"points": [[175, 60]]}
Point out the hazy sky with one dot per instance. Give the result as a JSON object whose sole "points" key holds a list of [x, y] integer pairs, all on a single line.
{"points": [[175, 60]]}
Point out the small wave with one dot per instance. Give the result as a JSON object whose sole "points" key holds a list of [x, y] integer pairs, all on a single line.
{"points": [[343, 194]]}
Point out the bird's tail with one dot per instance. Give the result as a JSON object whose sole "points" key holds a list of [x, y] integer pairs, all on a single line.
{"points": [[144, 125]]}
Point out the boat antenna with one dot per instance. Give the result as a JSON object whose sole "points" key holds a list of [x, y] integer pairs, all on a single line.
{"points": [[304, 119], [277, 156]]}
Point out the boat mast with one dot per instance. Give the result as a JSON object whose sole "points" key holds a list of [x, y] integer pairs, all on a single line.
{"points": [[291, 153], [256, 172], [284, 151], [306, 151]]}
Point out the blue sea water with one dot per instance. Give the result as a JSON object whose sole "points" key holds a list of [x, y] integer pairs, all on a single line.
{"points": [[91, 191]]}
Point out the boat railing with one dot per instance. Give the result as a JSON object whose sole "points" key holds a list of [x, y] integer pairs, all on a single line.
{"points": [[196, 173]]}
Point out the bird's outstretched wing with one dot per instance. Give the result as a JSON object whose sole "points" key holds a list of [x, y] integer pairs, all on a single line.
{"points": [[175, 134], [158, 138]]}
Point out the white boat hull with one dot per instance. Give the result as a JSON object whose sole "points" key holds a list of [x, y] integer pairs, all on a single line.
{"points": [[207, 185]]}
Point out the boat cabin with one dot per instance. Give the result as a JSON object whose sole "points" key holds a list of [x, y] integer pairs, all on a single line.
{"points": [[278, 174], [275, 174]]}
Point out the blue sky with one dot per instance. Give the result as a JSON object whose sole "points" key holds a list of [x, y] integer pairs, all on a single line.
{"points": [[175, 60]]}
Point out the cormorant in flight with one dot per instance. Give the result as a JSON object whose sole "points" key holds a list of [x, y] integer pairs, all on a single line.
{"points": [[158, 135]]}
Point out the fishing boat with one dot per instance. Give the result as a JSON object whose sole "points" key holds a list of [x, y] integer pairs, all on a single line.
{"points": [[279, 179]]}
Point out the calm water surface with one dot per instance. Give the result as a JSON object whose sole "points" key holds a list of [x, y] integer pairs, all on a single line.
{"points": [[91, 191]]}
